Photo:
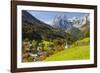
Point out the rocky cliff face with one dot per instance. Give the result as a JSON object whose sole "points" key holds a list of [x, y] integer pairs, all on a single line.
{"points": [[73, 24], [62, 23]]}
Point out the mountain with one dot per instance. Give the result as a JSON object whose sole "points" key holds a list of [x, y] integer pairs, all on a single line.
{"points": [[82, 24], [29, 20], [61, 22], [77, 28], [85, 28], [79, 22], [33, 28], [73, 25]]}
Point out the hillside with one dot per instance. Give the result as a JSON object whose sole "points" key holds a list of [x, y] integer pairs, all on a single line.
{"points": [[32, 26], [77, 52]]}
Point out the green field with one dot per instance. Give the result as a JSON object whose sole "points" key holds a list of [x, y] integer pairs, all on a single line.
{"points": [[76, 52]]}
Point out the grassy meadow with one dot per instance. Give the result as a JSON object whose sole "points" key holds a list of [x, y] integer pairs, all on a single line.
{"points": [[74, 53], [80, 50]]}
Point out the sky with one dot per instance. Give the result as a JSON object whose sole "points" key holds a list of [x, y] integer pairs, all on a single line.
{"points": [[48, 16]]}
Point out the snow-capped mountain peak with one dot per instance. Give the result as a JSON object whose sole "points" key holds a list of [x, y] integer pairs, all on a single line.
{"points": [[62, 23], [67, 24]]}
